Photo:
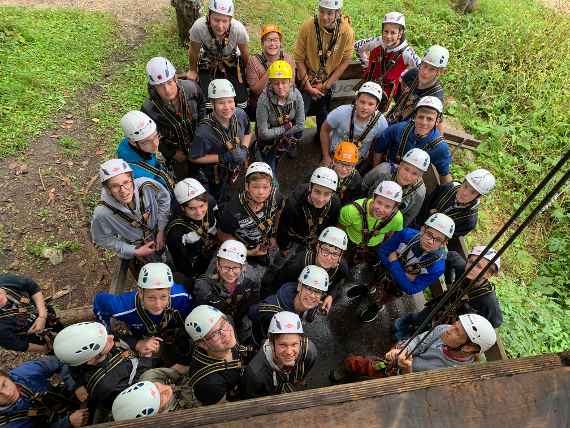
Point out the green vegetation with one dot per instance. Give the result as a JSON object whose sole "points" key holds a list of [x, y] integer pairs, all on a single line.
{"points": [[70, 146], [45, 57], [36, 248]]}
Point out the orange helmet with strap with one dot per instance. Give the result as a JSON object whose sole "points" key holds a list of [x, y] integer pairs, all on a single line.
{"points": [[346, 152], [270, 28]]}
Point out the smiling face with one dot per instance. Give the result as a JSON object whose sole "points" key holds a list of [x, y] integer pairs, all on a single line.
{"points": [[466, 193], [328, 257], [121, 187], [220, 338], [228, 270], [431, 239], [9, 392], [428, 74], [425, 119], [327, 17], [408, 174], [306, 298], [156, 300], [224, 108], [271, 44], [168, 91], [320, 195], [286, 349], [196, 209], [259, 188], [149, 144], [381, 207], [392, 35], [219, 23], [365, 106]]}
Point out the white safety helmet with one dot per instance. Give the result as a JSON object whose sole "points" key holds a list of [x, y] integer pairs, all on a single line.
{"points": [[325, 177], [442, 223], [479, 330], [335, 237], [489, 254], [316, 277], [481, 180], [112, 168], [137, 125], [188, 189], [285, 323], [331, 4], [394, 18], [137, 401], [418, 158], [221, 88], [431, 102], [233, 251], [390, 190], [224, 7], [159, 70], [78, 343], [371, 88], [259, 167], [201, 320], [437, 56], [155, 275]]}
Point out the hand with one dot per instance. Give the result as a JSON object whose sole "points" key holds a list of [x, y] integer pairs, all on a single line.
{"points": [[160, 240], [192, 75], [391, 355], [326, 305], [260, 250], [315, 93], [272, 243], [149, 346], [79, 418], [411, 276], [180, 156], [393, 256], [405, 362], [326, 160], [146, 250], [288, 125], [38, 325], [82, 394]]}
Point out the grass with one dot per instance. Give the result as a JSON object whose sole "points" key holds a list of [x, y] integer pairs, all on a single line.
{"points": [[46, 56]]}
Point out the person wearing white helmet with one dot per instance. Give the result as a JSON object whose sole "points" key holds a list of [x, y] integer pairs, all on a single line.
{"points": [[448, 345], [153, 313], [232, 287], [416, 83], [177, 106], [480, 298], [222, 140], [191, 236], [308, 211], [359, 123], [144, 399], [280, 114], [460, 201], [323, 50], [344, 163], [102, 366], [300, 297], [139, 148], [368, 220], [27, 322], [384, 58], [131, 216], [219, 49], [418, 132], [215, 366], [408, 174], [328, 253], [283, 362], [28, 397], [252, 215]]}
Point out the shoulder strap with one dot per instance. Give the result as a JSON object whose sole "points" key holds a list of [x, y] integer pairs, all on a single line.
{"points": [[101, 372], [169, 182], [208, 365], [134, 222], [404, 141], [325, 55]]}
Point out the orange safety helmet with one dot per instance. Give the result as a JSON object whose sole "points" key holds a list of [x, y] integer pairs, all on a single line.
{"points": [[270, 28], [346, 152]]}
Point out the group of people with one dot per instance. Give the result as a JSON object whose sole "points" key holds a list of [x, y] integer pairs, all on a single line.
{"points": [[229, 270]]}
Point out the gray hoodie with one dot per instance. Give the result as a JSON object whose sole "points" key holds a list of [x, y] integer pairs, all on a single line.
{"points": [[268, 127], [110, 231]]}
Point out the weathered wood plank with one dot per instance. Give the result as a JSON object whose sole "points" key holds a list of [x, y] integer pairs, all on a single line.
{"points": [[542, 379]]}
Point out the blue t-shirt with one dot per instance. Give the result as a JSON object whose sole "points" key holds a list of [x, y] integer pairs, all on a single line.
{"points": [[389, 141]]}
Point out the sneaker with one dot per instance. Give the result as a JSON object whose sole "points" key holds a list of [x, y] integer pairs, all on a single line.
{"points": [[356, 292], [367, 312]]}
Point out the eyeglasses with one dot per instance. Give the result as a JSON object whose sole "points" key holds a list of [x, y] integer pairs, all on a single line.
{"points": [[119, 187], [216, 334], [344, 165], [313, 291], [228, 269], [431, 237], [149, 140], [325, 252]]}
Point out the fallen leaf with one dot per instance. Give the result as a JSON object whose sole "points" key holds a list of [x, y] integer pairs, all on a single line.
{"points": [[95, 120], [65, 126], [51, 195], [21, 169], [54, 136], [99, 152]]}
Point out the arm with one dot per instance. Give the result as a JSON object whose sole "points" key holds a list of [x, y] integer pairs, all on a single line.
{"points": [[207, 159], [193, 54], [420, 282], [364, 46], [325, 137], [40, 322], [414, 206], [163, 199], [445, 178], [104, 236], [336, 75], [388, 247], [255, 82], [244, 52], [299, 114]]}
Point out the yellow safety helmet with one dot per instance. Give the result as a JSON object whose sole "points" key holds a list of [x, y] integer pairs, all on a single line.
{"points": [[280, 70], [346, 152], [270, 28]]}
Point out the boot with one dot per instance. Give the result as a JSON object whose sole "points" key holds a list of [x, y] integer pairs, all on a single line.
{"points": [[367, 311]]}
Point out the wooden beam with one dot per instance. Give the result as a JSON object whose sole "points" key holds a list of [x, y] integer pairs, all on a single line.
{"points": [[542, 381], [75, 315]]}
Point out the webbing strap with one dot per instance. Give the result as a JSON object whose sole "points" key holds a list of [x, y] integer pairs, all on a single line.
{"points": [[404, 141], [371, 124], [113, 363], [368, 234], [325, 55]]}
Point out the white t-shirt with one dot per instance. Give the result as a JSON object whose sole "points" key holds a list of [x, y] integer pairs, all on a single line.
{"points": [[339, 120], [199, 33]]}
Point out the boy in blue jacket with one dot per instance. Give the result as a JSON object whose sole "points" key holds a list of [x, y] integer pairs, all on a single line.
{"points": [[27, 399], [420, 132], [154, 314], [410, 261]]}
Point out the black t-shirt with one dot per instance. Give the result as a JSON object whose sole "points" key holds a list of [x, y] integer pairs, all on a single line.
{"points": [[409, 77], [350, 189], [294, 225], [11, 326], [190, 254]]}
